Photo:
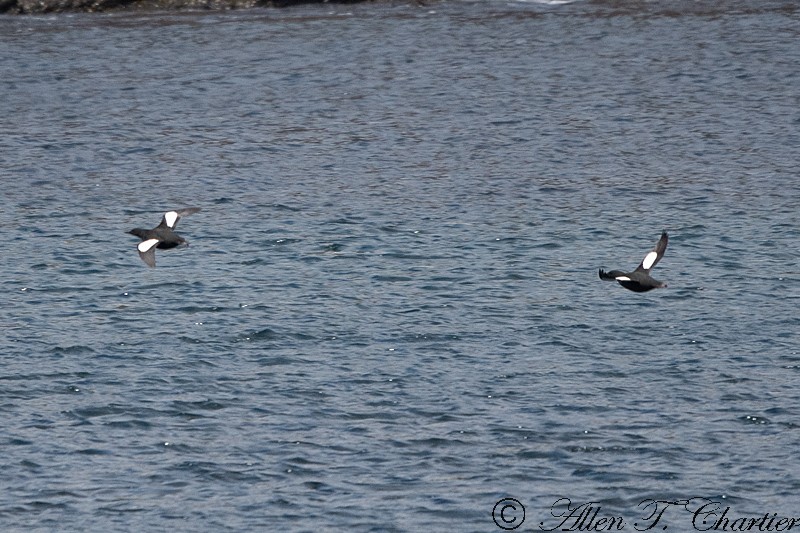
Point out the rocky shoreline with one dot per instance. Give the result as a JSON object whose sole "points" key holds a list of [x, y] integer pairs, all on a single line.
{"points": [[31, 7]]}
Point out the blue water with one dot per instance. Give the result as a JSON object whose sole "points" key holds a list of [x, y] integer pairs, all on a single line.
{"points": [[389, 316]]}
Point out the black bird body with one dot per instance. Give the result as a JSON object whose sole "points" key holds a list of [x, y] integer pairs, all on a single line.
{"points": [[162, 236], [640, 280]]}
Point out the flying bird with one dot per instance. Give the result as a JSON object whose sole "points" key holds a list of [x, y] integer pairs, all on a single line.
{"points": [[162, 236], [639, 280]]}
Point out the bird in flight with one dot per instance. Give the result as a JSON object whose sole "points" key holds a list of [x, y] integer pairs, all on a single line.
{"points": [[162, 236], [640, 280]]}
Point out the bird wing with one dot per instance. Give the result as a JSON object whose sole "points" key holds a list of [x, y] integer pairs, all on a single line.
{"points": [[654, 256], [147, 251], [611, 275], [171, 218]]}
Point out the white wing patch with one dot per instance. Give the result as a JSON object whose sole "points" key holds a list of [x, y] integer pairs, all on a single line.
{"points": [[649, 259], [171, 218], [144, 246], [622, 278]]}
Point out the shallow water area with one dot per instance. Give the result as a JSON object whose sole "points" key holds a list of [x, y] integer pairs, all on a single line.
{"points": [[389, 316]]}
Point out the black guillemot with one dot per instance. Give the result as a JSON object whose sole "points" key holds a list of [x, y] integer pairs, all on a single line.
{"points": [[162, 236], [639, 280]]}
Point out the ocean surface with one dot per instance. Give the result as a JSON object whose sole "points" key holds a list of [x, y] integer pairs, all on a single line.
{"points": [[389, 316]]}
